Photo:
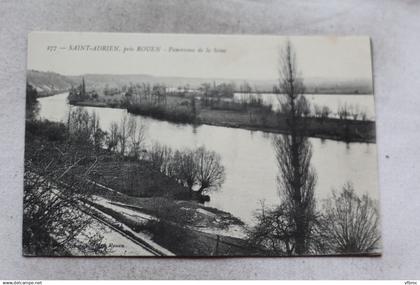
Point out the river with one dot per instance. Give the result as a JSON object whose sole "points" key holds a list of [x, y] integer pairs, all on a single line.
{"points": [[248, 158]]}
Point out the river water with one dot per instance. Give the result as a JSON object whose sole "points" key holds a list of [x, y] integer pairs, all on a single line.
{"points": [[248, 158]]}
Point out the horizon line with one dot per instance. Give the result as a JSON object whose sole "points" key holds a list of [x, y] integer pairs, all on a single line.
{"points": [[188, 77]]}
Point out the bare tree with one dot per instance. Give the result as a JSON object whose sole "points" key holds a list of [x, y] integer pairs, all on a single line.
{"points": [[113, 137], [123, 134], [184, 168], [161, 157], [135, 136], [79, 126], [195, 169], [296, 179], [55, 187], [84, 128], [274, 231], [131, 136], [290, 84], [350, 224], [210, 171], [96, 133]]}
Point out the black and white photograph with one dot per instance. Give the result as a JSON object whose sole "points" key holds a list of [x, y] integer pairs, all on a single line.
{"points": [[200, 145]]}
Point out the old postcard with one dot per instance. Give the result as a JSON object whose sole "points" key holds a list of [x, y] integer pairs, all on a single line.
{"points": [[199, 145]]}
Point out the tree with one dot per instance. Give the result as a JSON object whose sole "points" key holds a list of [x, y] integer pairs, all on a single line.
{"points": [[193, 104], [84, 129], [274, 231], [185, 168], [56, 184], [161, 158], [96, 133], [210, 171], [343, 111], [131, 135], [245, 87], [205, 88], [79, 93], [136, 136], [296, 179], [83, 88], [112, 138], [195, 169], [325, 112], [79, 126], [350, 224], [123, 134], [32, 105]]}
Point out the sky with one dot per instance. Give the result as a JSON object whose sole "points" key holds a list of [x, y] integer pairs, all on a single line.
{"points": [[245, 56]]}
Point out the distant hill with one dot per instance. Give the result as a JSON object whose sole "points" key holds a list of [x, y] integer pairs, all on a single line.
{"points": [[47, 81], [338, 86]]}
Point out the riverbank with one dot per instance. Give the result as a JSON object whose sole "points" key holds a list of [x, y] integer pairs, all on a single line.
{"points": [[188, 229], [324, 128], [252, 118], [140, 199]]}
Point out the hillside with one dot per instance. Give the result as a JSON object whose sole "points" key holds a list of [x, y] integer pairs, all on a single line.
{"points": [[49, 83]]}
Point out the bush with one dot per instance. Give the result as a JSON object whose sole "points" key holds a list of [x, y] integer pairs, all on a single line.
{"points": [[350, 223], [46, 129]]}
